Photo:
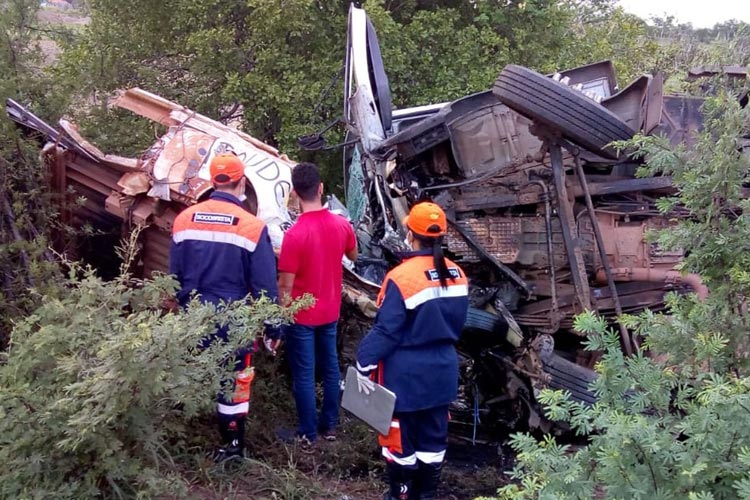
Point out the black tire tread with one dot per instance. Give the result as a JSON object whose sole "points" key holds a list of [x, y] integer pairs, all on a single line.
{"points": [[482, 320], [524, 79], [566, 375], [567, 95], [579, 119]]}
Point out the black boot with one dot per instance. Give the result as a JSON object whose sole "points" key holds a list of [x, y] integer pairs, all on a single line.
{"points": [[232, 432], [428, 477], [400, 482]]}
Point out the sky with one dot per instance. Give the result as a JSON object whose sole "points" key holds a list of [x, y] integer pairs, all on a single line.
{"points": [[700, 13]]}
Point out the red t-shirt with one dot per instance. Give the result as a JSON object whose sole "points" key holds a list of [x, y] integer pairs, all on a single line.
{"points": [[312, 250]]}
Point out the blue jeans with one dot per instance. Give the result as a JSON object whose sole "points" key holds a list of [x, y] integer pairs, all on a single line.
{"points": [[312, 347]]}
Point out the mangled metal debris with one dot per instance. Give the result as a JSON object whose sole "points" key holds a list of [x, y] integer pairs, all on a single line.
{"points": [[545, 216], [170, 175]]}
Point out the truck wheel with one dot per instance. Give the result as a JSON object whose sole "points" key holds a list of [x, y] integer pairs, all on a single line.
{"points": [[568, 376], [484, 321], [556, 105]]}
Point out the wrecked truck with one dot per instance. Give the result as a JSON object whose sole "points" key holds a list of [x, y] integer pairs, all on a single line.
{"points": [[545, 216], [117, 193]]}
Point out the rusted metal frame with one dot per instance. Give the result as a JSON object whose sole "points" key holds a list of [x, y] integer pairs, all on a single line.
{"points": [[497, 201], [652, 299], [484, 177], [567, 223], [462, 204], [481, 251], [627, 340], [629, 288]]}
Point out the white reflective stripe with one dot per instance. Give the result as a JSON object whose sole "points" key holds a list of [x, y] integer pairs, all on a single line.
{"points": [[430, 457], [436, 292], [396, 424], [214, 236], [367, 368], [233, 409], [410, 460]]}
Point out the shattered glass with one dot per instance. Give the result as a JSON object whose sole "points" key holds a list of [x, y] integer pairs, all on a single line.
{"points": [[356, 198]]}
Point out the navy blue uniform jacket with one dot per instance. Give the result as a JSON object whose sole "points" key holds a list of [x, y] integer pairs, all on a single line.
{"points": [[222, 252], [417, 326]]}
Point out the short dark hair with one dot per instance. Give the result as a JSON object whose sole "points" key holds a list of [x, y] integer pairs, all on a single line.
{"points": [[305, 180]]}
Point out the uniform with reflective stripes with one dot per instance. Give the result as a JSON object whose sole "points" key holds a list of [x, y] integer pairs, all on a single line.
{"points": [[416, 328], [222, 252], [412, 344], [417, 436]]}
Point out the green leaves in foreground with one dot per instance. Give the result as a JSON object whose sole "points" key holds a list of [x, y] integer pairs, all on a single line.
{"points": [[671, 420], [100, 383]]}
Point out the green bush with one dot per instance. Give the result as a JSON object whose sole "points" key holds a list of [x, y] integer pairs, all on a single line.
{"points": [[671, 420], [100, 383]]}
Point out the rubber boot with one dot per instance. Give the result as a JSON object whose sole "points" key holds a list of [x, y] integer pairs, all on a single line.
{"points": [[428, 478], [400, 482], [232, 432]]}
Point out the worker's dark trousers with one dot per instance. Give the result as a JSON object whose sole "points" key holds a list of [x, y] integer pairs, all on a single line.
{"points": [[414, 450], [233, 403]]}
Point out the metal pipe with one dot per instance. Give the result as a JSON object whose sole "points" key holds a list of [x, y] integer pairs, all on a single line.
{"points": [[548, 226], [627, 340], [657, 276]]}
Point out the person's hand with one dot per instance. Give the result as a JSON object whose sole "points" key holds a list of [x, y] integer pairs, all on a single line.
{"points": [[364, 384], [272, 336]]}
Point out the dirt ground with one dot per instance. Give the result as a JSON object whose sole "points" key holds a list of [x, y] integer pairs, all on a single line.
{"points": [[52, 18], [347, 469]]}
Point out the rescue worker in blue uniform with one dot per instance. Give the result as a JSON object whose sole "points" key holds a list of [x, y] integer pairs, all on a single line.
{"points": [[222, 252], [423, 305]]}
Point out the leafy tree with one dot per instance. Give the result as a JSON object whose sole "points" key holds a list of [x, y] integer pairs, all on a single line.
{"points": [[26, 214], [274, 65], [670, 420], [613, 34]]}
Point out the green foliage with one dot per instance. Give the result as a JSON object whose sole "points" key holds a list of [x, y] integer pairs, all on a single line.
{"points": [[669, 422], [26, 212], [681, 47], [653, 433], [614, 35], [100, 386]]}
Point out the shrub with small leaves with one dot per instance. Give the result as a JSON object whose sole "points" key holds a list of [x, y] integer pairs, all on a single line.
{"points": [[100, 384], [670, 422]]}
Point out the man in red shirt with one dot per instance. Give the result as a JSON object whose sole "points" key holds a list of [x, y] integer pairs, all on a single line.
{"points": [[310, 262]]}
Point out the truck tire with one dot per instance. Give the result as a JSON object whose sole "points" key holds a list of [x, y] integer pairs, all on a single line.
{"points": [[568, 376], [484, 321], [556, 105]]}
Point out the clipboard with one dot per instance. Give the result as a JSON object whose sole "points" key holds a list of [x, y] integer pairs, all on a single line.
{"points": [[374, 409]]}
